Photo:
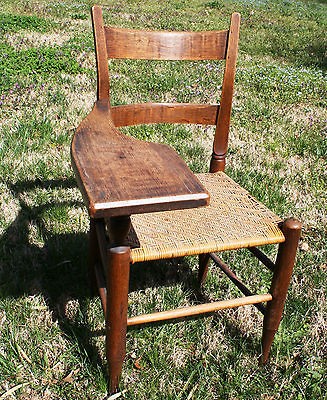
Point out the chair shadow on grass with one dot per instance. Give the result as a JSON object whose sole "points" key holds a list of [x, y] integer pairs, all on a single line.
{"points": [[54, 267], [57, 269]]}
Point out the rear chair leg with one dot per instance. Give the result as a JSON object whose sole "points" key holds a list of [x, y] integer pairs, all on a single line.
{"points": [[280, 282], [93, 257], [116, 318], [204, 260]]}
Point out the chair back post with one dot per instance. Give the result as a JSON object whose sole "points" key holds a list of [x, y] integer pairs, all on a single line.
{"points": [[101, 54], [220, 144]]}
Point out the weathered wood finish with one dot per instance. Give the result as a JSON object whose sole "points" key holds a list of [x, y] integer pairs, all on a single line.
{"points": [[101, 54], [127, 43], [156, 45], [281, 279], [109, 171], [119, 176], [198, 309], [116, 320], [221, 137], [150, 113]]}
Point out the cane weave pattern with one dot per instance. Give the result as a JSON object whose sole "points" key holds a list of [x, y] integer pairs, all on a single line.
{"points": [[234, 219]]}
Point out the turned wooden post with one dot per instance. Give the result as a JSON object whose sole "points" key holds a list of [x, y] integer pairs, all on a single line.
{"points": [[220, 144], [282, 275], [117, 297], [116, 318]]}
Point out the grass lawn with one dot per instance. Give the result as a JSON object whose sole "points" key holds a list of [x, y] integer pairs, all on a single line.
{"points": [[51, 330]]}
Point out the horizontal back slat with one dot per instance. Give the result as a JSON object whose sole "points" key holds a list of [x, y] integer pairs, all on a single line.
{"points": [[147, 113], [157, 45]]}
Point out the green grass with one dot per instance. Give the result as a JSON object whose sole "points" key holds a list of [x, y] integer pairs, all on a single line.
{"points": [[13, 23], [51, 342]]}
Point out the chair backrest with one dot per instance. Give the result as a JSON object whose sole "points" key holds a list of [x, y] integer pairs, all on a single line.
{"points": [[162, 45]]}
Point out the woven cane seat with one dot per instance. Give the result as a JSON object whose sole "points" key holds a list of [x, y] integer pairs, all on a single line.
{"points": [[234, 219]]}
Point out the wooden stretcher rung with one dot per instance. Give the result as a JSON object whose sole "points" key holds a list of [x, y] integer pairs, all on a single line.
{"points": [[198, 309], [263, 258], [237, 282]]}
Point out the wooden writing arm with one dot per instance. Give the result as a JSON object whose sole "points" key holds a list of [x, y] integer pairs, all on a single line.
{"points": [[120, 175]]}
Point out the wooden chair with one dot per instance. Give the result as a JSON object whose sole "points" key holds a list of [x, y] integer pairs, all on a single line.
{"points": [[145, 204]]}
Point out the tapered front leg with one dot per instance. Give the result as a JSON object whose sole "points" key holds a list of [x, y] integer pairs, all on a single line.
{"points": [[116, 318], [280, 282]]}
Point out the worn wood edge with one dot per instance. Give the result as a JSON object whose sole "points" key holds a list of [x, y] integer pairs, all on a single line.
{"points": [[79, 182], [220, 143], [150, 113], [146, 201], [102, 106], [198, 309], [147, 208], [162, 31], [101, 118]]}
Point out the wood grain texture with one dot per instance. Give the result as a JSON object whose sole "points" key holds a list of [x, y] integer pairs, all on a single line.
{"points": [[220, 144], [116, 316], [198, 309], [284, 265], [100, 53], [148, 113], [119, 175], [163, 45]]}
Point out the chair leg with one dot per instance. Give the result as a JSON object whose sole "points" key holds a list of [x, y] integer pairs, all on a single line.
{"points": [[204, 260], [93, 257], [280, 282], [116, 318]]}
